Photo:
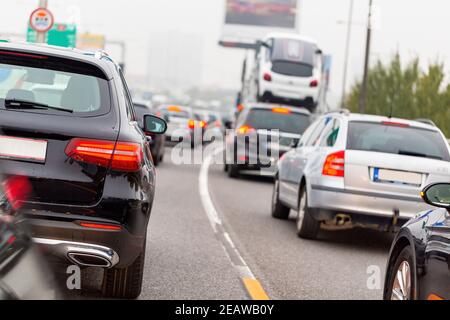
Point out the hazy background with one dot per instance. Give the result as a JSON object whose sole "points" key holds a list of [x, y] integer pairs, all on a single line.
{"points": [[174, 42]]}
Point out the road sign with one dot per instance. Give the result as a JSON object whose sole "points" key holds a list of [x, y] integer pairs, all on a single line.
{"points": [[41, 20], [61, 34]]}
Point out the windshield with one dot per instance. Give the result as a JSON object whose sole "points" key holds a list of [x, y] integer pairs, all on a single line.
{"points": [[285, 122], [79, 93], [386, 138]]}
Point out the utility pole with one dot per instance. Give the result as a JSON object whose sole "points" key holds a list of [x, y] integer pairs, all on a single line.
{"points": [[347, 50], [40, 36], [363, 96]]}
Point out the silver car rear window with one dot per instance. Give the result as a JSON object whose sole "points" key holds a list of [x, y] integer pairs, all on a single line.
{"points": [[396, 139]]}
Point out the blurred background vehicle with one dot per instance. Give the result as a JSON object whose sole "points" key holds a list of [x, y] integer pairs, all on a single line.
{"points": [[287, 69], [359, 170], [157, 142], [264, 132], [418, 266], [184, 125]]}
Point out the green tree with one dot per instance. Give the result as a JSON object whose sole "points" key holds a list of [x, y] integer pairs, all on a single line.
{"points": [[407, 92]]}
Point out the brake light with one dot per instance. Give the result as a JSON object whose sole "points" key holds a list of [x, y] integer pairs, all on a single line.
{"points": [[23, 55], [245, 129], [203, 124], [121, 156], [240, 107], [314, 83], [281, 110], [334, 164], [217, 123], [100, 226], [191, 124], [395, 124], [174, 108], [267, 76]]}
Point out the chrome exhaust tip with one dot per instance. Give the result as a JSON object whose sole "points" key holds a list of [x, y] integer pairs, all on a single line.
{"points": [[89, 260]]}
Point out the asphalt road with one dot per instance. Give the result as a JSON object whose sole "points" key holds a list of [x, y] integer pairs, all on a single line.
{"points": [[186, 260]]}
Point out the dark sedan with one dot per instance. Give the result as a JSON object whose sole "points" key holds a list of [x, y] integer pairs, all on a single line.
{"points": [[419, 262]]}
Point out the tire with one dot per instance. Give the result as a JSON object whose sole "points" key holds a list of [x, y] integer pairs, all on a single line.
{"points": [[233, 171], [125, 283], [156, 160], [225, 168], [279, 210], [406, 291], [307, 226]]}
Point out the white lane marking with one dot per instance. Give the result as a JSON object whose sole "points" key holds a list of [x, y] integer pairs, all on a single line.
{"points": [[214, 219]]}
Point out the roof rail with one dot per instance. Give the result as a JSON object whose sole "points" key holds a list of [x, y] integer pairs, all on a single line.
{"points": [[100, 54], [341, 111]]}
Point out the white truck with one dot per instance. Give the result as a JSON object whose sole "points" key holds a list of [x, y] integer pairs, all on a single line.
{"points": [[285, 68]]}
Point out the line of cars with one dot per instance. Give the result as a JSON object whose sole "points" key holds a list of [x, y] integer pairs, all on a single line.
{"points": [[349, 170]]}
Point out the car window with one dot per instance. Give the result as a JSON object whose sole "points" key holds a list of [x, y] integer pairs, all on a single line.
{"points": [[397, 139], [283, 120], [315, 135], [83, 94], [129, 104], [330, 134]]}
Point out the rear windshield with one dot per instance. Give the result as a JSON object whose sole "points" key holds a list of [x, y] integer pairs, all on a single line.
{"points": [[182, 114], [294, 50], [285, 122], [292, 69], [83, 94], [385, 138]]}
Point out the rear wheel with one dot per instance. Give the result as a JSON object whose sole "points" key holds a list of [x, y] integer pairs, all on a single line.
{"points": [[402, 277], [233, 171], [156, 160], [125, 283], [307, 226], [279, 210]]}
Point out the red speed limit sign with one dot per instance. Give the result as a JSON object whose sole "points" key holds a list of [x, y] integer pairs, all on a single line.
{"points": [[41, 20]]}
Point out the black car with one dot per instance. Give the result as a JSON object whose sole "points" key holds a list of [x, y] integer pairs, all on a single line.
{"points": [[157, 141], [90, 169], [263, 133], [419, 262]]}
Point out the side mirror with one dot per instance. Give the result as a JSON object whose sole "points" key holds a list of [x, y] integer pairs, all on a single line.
{"points": [[228, 124], [437, 194], [154, 124], [319, 51], [294, 143]]}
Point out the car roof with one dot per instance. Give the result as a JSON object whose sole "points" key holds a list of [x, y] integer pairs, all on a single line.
{"points": [[378, 118], [99, 59], [270, 106]]}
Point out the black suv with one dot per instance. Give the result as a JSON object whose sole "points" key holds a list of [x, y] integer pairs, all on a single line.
{"points": [[68, 126]]}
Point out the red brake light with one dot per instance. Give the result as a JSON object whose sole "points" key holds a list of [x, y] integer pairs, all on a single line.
{"points": [[203, 124], [267, 76], [191, 124], [23, 55], [314, 83], [334, 164], [100, 226], [122, 156], [240, 107], [217, 123], [395, 124], [244, 129]]}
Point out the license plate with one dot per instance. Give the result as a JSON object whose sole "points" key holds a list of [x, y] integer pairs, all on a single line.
{"points": [[23, 149], [393, 176]]}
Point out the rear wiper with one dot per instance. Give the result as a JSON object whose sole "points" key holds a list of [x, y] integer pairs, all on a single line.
{"points": [[416, 154], [24, 104]]}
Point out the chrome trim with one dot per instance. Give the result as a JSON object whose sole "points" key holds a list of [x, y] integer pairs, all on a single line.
{"points": [[71, 250]]}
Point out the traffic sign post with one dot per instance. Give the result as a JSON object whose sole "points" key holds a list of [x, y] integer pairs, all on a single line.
{"points": [[41, 21]]}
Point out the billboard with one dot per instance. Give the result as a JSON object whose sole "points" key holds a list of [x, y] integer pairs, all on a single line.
{"points": [[247, 21]]}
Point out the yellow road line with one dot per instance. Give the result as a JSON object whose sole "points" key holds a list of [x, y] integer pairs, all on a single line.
{"points": [[255, 289]]}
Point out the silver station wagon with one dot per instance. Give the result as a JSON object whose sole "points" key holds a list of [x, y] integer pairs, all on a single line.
{"points": [[359, 170]]}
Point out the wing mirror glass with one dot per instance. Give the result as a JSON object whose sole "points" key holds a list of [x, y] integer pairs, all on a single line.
{"points": [[154, 124], [437, 195]]}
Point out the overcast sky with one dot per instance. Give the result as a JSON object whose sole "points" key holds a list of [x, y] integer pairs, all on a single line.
{"points": [[413, 27]]}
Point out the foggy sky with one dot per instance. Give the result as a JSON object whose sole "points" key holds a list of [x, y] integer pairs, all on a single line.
{"points": [[413, 27]]}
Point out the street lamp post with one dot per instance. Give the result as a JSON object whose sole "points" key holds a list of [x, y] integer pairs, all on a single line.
{"points": [[363, 96], [40, 36], [347, 49]]}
